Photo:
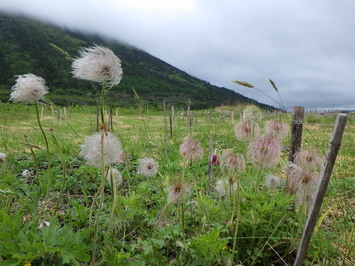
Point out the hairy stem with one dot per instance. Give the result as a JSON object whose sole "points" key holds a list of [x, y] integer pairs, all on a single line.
{"points": [[102, 194], [40, 126], [64, 168]]}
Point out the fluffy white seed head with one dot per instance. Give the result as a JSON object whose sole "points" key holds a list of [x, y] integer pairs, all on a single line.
{"points": [[305, 195], [115, 175], [2, 157], [91, 149], [232, 162], [252, 112], [276, 128], [29, 88], [123, 157], [308, 160], [226, 187], [297, 177], [271, 181], [147, 167], [43, 224], [26, 173], [175, 191], [98, 64], [191, 149], [264, 151], [246, 130]]}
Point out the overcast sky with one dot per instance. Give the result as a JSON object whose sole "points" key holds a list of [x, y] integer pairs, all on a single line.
{"points": [[307, 47]]}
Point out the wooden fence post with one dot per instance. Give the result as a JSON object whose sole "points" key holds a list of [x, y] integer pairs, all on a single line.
{"points": [[334, 145], [296, 131], [165, 130], [111, 118], [171, 126], [97, 115], [210, 166], [188, 115]]}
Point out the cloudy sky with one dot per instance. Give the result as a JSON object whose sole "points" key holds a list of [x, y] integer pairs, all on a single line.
{"points": [[307, 47]]}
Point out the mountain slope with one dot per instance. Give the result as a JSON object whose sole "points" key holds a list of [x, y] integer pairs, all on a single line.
{"points": [[25, 48]]}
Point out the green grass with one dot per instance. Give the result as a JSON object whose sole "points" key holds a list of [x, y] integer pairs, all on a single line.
{"points": [[268, 231]]}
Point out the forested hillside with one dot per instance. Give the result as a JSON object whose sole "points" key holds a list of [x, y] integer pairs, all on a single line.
{"points": [[25, 48]]}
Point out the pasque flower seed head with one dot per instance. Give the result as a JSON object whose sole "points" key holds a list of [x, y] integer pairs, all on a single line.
{"points": [[29, 88], [98, 64], [91, 149]]}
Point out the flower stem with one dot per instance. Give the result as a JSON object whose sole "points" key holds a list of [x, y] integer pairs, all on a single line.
{"points": [[36, 162], [238, 216], [114, 202], [40, 126], [64, 167], [102, 194], [183, 202], [102, 101]]}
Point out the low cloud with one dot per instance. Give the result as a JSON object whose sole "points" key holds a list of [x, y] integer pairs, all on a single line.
{"points": [[306, 47]]}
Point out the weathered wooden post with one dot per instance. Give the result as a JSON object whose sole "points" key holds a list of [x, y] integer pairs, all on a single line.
{"points": [[53, 115], [210, 166], [165, 130], [189, 121], [296, 137], [110, 118], [97, 115], [65, 113], [296, 131], [171, 126], [334, 145], [42, 113], [173, 112], [116, 116]]}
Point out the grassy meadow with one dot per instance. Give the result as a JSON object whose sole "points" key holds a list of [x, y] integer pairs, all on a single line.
{"points": [[138, 225]]}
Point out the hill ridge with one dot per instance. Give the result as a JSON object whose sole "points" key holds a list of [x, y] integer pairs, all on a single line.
{"points": [[25, 48]]}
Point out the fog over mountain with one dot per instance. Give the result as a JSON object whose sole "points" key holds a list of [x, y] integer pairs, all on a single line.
{"points": [[306, 47]]}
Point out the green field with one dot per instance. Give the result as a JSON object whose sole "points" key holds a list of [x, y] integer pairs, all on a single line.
{"points": [[253, 226]]}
